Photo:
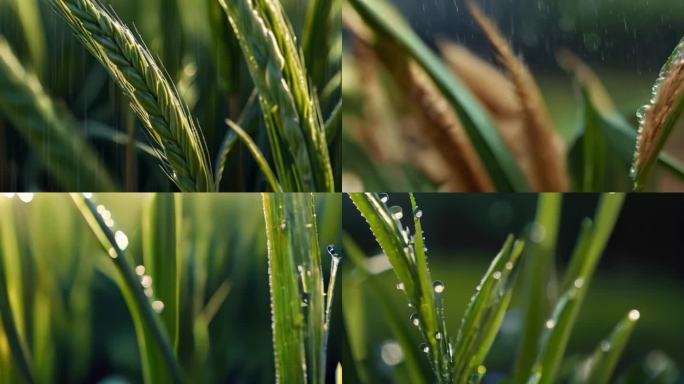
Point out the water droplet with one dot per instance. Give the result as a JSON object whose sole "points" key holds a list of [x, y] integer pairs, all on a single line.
{"points": [[282, 224], [146, 281], [509, 266], [308, 225], [383, 197], [121, 240], [438, 286], [112, 253], [149, 292], [109, 223], [101, 209], [140, 270], [438, 335], [396, 212], [496, 275], [550, 323], [25, 197], [537, 232], [418, 213], [634, 315], [578, 283], [605, 346], [88, 195], [425, 348], [400, 286], [158, 306], [391, 353], [8, 195], [333, 252], [415, 320]]}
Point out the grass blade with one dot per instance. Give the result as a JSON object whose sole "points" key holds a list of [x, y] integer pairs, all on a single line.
{"points": [[162, 236], [258, 156], [148, 324], [539, 264], [153, 97], [300, 312], [291, 110], [20, 356], [600, 366], [317, 39], [28, 13], [66, 155], [485, 312], [496, 157], [575, 285]]}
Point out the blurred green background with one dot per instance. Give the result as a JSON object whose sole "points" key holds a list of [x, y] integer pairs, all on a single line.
{"points": [[640, 269], [76, 322]]}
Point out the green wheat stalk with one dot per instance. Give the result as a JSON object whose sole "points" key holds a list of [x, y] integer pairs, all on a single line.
{"points": [[300, 306], [52, 133], [153, 97], [291, 110]]}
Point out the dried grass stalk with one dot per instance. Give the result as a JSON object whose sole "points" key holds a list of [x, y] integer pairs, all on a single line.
{"points": [[546, 146]]}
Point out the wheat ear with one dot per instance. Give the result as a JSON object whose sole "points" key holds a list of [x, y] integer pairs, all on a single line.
{"points": [[295, 128], [153, 97], [52, 133], [667, 104], [545, 145]]}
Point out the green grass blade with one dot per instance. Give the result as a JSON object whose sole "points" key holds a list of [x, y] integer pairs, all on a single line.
{"points": [[602, 363], [333, 126], [289, 323], [66, 155], [317, 39], [162, 247], [247, 119], [485, 312], [258, 156], [390, 314], [538, 265], [148, 325], [496, 157], [290, 108], [19, 353], [575, 285], [28, 13]]}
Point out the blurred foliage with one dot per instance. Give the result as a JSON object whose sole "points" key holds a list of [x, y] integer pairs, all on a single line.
{"points": [[73, 319]]}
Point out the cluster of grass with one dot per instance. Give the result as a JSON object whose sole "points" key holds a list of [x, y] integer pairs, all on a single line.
{"points": [[461, 124], [295, 74], [151, 288], [548, 311]]}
